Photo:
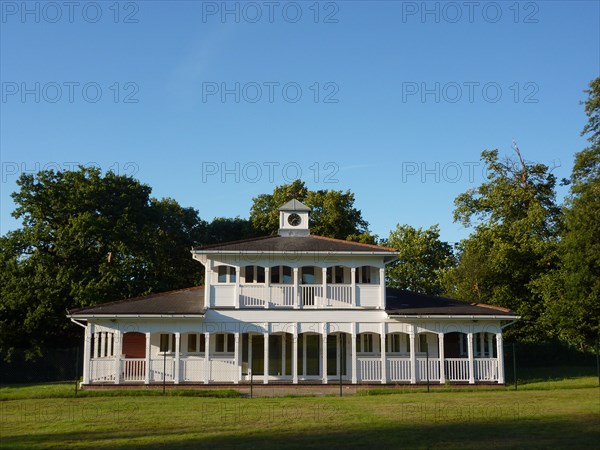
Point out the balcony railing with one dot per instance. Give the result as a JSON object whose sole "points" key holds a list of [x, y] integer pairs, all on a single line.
{"points": [[304, 296]]}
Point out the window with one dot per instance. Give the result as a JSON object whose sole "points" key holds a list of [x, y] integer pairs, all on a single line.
{"points": [[367, 275], [394, 342], [254, 274], [281, 275], [364, 343], [167, 341], [195, 343], [308, 275], [335, 275], [226, 274], [224, 343], [423, 346]]}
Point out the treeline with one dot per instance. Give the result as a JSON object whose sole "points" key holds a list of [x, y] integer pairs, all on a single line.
{"points": [[88, 238]]}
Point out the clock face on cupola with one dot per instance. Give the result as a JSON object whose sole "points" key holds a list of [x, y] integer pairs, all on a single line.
{"points": [[293, 219]]}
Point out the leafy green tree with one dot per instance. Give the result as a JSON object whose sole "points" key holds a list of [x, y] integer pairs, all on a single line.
{"points": [[223, 229], [423, 259], [333, 212], [86, 239], [515, 220], [572, 292]]}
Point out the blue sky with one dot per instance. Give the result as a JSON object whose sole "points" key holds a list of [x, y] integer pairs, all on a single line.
{"points": [[392, 100]]}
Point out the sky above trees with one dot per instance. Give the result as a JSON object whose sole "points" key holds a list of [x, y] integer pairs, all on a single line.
{"points": [[396, 106]]}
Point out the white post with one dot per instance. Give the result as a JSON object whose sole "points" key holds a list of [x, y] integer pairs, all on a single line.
{"points": [[324, 353], [148, 348], [353, 355], [295, 355], [296, 289], [236, 289], [268, 287], [353, 286], [413, 356], [326, 299], [382, 288], [441, 358], [500, 357], [471, 360], [117, 350], [266, 356], [208, 270], [102, 344], [177, 375], [87, 352], [206, 358], [236, 352], [383, 356]]}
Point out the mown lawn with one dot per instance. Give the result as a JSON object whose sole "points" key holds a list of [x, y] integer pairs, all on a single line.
{"points": [[557, 415]]}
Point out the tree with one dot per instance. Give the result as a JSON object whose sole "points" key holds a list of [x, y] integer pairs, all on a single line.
{"points": [[86, 239], [423, 258], [333, 212], [223, 229], [514, 241], [572, 291]]}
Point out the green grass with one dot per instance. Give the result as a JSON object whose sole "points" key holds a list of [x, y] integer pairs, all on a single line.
{"points": [[563, 415]]}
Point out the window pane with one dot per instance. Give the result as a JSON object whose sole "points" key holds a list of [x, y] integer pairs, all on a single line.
{"points": [[308, 275], [222, 274], [288, 278], [275, 275], [219, 343], [192, 343], [164, 343], [202, 343], [260, 274], [230, 343], [249, 274], [232, 274]]}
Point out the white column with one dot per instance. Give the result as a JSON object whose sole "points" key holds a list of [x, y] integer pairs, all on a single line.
{"points": [[102, 344], [296, 289], [236, 352], [148, 348], [383, 356], [326, 299], [442, 358], [266, 356], [353, 285], [471, 359], [117, 350], [353, 355], [206, 357], [236, 289], [413, 356], [500, 357], [382, 288], [177, 375], [267, 287], [295, 356], [87, 352], [324, 353], [208, 269]]}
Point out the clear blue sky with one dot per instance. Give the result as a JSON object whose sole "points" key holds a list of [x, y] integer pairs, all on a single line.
{"points": [[367, 118]]}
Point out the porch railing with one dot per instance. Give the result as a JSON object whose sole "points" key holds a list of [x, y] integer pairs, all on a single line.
{"points": [[160, 366], [102, 370], [253, 295], [398, 369], [311, 294], [339, 295], [423, 374], [282, 295], [368, 368], [486, 369], [457, 369], [134, 369]]}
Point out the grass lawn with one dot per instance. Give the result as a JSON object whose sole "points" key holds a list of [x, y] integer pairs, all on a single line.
{"points": [[552, 414]]}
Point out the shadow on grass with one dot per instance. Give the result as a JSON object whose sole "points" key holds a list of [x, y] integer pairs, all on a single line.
{"points": [[573, 432]]}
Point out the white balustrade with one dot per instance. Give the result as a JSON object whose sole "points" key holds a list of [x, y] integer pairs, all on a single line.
{"points": [[486, 369], [134, 369], [253, 295], [311, 294], [434, 369], [368, 368], [222, 369], [160, 366], [339, 295], [457, 369], [282, 295], [102, 370], [398, 369]]}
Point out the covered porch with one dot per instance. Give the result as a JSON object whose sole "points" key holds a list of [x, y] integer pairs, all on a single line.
{"points": [[295, 353]]}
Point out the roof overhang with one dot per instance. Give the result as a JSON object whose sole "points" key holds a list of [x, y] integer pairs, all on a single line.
{"points": [[389, 256], [452, 316], [135, 316]]}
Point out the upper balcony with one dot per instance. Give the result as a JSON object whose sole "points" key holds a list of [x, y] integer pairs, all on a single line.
{"points": [[254, 286]]}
